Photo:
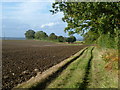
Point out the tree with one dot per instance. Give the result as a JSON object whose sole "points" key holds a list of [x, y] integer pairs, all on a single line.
{"points": [[44, 35], [99, 17], [52, 36], [30, 34], [41, 35], [71, 39], [90, 37], [68, 39], [61, 39]]}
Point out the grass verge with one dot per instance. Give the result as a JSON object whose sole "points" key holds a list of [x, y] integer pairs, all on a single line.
{"points": [[64, 43], [100, 76]]}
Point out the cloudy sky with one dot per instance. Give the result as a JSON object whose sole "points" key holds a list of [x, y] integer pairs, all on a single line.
{"points": [[18, 17]]}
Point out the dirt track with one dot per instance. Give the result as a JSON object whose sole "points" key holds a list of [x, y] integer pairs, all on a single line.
{"points": [[22, 59]]}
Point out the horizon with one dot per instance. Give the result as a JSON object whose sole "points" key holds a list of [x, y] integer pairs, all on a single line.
{"points": [[24, 38]]}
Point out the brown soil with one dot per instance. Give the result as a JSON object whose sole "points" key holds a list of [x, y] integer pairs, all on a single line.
{"points": [[22, 59]]}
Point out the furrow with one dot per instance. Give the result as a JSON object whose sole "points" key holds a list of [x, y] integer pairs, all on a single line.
{"points": [[42, 80]]}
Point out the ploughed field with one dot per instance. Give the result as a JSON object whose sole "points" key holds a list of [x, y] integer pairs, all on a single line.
{"points": [[22, 59]]}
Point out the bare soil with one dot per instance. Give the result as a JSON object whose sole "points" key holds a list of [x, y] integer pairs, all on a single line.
{"points": [[22, 59]]}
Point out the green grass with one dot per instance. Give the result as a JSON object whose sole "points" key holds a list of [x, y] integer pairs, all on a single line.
{"points": [[47, 40], [73, 75], [100, 77], [64, 43], [79, 42]]}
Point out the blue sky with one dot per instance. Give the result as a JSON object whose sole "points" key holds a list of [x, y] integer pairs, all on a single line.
{"points": [[18, 17]]}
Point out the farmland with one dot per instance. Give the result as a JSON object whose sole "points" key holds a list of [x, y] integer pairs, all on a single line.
{"points": [[57, 60], [22, 59], [85, 69]]}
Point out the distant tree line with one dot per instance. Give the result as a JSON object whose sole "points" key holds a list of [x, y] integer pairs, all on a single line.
{"points": [[40, 35]]}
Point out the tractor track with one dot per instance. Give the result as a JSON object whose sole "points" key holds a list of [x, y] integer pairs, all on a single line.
{"points": [[86, 77], [44, 84], [82, 64], [82, 81]]}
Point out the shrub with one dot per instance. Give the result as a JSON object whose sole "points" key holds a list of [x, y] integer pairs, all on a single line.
{"points": [[71, 39], [30, 34], [106, 41], [52, 36], [61, 39], [40, 35]]}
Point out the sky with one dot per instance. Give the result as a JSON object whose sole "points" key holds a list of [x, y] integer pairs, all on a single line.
{"points": [[18, 17]]}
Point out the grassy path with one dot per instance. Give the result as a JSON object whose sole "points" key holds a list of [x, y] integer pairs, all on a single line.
{"points": [[100, 77], [87, 71], [76, 74]]}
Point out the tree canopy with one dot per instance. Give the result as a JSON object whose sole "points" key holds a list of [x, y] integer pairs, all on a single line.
{"points": [[61, 39], [52, 36], [101, 18], [30, 34], [71, 39], [40, 35]]}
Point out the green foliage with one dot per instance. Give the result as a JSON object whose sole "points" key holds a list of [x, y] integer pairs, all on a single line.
{"points": [[52, 36], [61, 39], [107, 41], [40, 35], [71, 39], [30, 34], [91, 37], [100, 18]]}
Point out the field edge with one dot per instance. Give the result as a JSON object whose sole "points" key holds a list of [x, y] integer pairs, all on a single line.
{"points": [[40, 78]]}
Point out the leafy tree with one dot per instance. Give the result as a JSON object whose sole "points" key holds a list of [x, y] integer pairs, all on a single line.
{"points": [[68, 39], [90, 37], [41, 35], [38, 34], [30, 34], [52, 36], [103, 18], [61, 39], [44, 35], [71, 39]]}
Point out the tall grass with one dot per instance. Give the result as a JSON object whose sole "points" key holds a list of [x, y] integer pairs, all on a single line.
{"points": [[102, 76], [107, 41]]}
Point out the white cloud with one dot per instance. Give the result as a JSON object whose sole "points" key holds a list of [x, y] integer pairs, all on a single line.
{"points": [[28, 0], [32, 15], [49, 24]]}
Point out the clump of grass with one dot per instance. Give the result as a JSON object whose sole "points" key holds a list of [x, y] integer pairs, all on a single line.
{"points": [[110, 56], [101, 77]]}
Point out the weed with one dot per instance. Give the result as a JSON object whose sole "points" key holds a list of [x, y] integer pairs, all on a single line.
{"points": [[110, 56]]}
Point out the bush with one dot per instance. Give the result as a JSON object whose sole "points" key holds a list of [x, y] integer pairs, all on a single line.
{"points": [[71, 39], [52, 36], [61, 39], [40, 35], [30, 34], [106, 41]]}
